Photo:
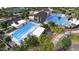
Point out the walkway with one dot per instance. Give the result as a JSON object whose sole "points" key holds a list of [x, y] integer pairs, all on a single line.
{"points": [[77, 31], [57, 38], [74, 46]]}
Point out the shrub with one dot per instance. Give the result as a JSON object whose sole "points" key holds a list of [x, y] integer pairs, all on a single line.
{"points": [[45, 26], [66, 42]]}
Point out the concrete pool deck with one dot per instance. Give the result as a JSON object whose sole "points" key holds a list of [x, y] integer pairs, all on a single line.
{"points": [[59, 19], [30, 28]]}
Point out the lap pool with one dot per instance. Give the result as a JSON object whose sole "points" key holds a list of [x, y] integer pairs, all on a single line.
{"points": [[23, 31]]}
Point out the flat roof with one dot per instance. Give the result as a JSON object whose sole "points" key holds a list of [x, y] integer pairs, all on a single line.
{"points": [[38, 31]]}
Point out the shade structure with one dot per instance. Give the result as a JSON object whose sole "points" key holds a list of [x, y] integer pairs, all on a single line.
{"points": [[38, 31]]}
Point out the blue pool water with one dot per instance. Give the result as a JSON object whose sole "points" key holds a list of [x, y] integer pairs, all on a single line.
{"points": [[58, 19], [23, 31]]}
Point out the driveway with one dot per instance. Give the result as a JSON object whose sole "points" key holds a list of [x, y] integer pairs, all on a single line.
{"points": [[74, 47]]}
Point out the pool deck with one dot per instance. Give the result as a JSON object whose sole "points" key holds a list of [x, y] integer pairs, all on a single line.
{"points": [[59, 19], [25, 30]]}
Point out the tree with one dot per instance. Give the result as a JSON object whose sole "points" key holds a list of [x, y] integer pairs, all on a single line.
{"points": [[1, 32], [2, 46], [25, 14], [7, 39], [42, 38], [52, 24], [45, 26], [3, 12], [21, 48], [60, 10], [47, 46], [4, 25], [65, 43], [32, 41], [45, 43], [9, 14]]}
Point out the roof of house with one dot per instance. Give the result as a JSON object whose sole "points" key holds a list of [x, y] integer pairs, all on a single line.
{"points": [[74, 21], [0, 36], [20, 22], [43, 8], [41, 14]]}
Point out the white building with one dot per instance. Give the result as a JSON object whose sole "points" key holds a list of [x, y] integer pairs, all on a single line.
{"points": [[74, 21], [19, 23]]}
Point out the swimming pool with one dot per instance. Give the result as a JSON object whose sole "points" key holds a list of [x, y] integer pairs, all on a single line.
{"points": [[24, 31], [59, 19]]}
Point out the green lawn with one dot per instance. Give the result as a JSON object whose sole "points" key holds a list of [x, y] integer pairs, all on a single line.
{"points": [[57, 29], [75, 37]]}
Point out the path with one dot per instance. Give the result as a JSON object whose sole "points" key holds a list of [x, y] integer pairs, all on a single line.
{"points": [[77, 31], [74, 46], [57, 38]]}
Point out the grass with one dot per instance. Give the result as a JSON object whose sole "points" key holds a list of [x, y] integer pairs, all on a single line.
{"points": [[75, 37], [57, 29]]}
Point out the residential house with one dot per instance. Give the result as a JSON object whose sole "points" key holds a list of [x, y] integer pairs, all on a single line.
{"points": [[41, 16]]}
